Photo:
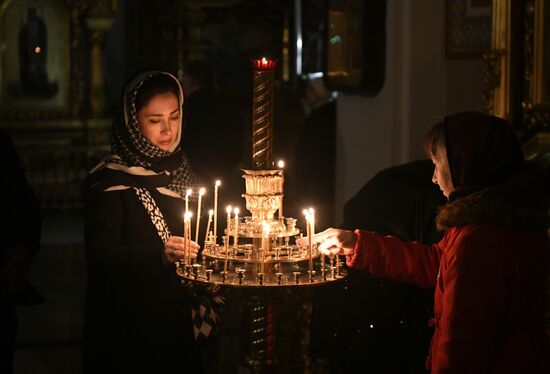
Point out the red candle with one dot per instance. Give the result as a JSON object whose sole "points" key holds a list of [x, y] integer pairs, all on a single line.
{"points": [[264, 64]]}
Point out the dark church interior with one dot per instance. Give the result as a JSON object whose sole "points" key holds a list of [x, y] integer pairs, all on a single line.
{"points": [[355, 86]]}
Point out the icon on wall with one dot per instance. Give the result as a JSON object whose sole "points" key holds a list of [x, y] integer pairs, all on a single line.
{"points": [[33, 49]]}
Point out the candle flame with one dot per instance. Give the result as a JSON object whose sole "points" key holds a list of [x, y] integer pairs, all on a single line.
{"points": [[236, 211], [228, 209], [264, 60], [202, 191], [218, 183], [311, 211], [281, 164], [187, 216], [211, 212], [188, 192]]}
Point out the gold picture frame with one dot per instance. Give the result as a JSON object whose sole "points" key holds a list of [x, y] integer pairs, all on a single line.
{"points": [[517, 68], [536, 103], [41, 40]]}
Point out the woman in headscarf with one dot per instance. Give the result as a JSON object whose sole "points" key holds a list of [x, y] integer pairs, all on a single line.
{"points": [[490, 268], [138, 316]]}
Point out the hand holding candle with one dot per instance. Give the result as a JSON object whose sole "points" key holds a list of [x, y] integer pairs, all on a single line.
{"points": [[176, 248]]}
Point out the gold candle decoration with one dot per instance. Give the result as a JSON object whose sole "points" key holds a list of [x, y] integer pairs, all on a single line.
{"points": [[216, 186], [201, 192], [281, 165], [210, 213], [236, 233], [228, 210], [187, 194], [265, 243]]}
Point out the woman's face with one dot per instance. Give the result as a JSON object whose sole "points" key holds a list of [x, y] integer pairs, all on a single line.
{"points": [[159, 120], [442, 172]]}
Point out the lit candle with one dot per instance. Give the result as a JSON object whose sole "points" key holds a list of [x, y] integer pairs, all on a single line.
{"points": [[265, 243], [201, 192], [308, 229], [186, 236], [216, 186], [281, 165], [210, 213], [312, 220], [312, 224], [187, 194], [236, 237], [228, 210]]}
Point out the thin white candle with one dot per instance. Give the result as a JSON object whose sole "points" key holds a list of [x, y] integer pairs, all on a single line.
{"points": [[216, 186], [312, 220], [265, 243], [236, 232], [281, 165], [308, 230], [187, 236], [228, 210], [187, 194], [201, 192], [210, 213]]}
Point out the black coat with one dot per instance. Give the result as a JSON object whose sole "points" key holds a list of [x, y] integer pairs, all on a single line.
{"points": [[21, 222], [312, 177], [137, 314]]}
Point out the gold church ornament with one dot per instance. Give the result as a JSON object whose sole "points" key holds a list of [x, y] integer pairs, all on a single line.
{"points": [[263, 252]]}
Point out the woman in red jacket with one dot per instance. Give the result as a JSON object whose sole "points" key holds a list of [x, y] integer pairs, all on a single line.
{"points": [[490, 269]]}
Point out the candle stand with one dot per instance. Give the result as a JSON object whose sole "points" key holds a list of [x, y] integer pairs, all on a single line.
{"points": [[265, 258]]}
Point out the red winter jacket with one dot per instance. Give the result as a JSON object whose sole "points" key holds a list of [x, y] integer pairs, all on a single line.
{"points": [[490, 276]]}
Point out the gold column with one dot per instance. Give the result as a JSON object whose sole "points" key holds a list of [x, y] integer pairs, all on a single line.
{"points": [[98, 27]]}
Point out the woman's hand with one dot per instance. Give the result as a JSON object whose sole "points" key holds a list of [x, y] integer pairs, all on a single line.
{"points": [[332, 241], [175, 248]]}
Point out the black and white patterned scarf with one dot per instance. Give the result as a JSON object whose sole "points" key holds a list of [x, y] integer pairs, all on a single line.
{"points": [[135, 161]]}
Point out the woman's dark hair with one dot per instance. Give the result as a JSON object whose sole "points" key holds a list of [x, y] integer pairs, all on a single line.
{"points": [[434, 139], [155, 85]]}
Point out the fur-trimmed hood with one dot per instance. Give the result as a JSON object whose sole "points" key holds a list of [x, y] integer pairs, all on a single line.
{"points": [[519, 203]]}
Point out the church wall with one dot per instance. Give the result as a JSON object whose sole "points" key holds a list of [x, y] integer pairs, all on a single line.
{"points": [[421, 86]]}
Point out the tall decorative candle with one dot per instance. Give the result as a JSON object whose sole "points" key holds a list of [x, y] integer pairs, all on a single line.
{"points": [[210, 213], [228, 210], [216, 186], [201, 192], [262, 112]]}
